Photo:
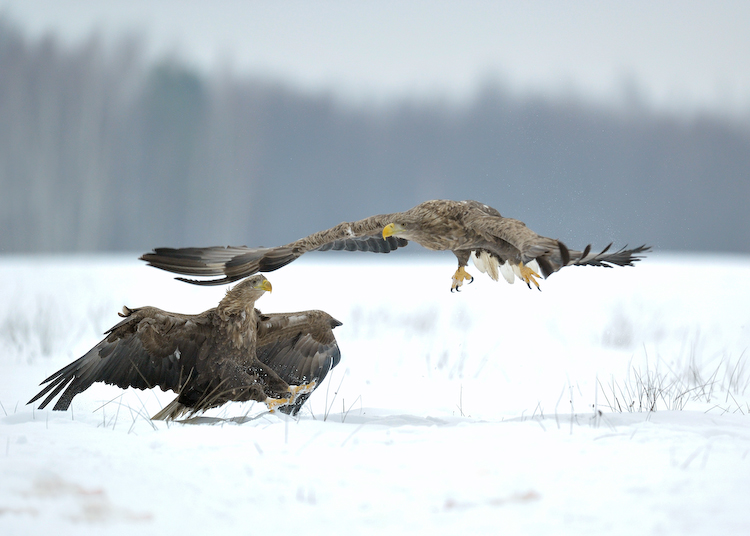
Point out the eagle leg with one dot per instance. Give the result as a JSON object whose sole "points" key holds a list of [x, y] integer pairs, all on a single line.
{"points": [[528, 275], [294, 392], [459, 277]]}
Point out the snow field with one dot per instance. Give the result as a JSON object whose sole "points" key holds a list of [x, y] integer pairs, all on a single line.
{"points": [[487, 410]]}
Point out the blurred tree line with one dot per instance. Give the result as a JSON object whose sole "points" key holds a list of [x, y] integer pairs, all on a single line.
{"points": [[100, 150]]}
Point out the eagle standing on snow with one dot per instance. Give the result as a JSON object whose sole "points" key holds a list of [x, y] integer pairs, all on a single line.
{"points": [[232, 352], [497, 245]]}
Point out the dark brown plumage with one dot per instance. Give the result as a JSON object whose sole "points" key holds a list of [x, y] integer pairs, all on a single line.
{"points": [[231, 352], [498, 245]]}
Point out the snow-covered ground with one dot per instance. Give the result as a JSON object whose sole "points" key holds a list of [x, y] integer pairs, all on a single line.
{"points": [[490, 410]]}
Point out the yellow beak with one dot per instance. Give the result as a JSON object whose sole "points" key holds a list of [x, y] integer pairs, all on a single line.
{"points": [[390, 230], [265, 285]]}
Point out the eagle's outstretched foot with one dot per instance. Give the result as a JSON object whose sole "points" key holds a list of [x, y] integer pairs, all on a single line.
{"points": [[459, 277], [294, 392], [528, 275]]}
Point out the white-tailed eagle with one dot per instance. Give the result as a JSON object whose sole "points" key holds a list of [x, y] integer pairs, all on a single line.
{"points": [[497, 245], [231, 352]]}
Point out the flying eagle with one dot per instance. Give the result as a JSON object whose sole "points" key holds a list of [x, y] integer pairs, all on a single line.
{"points": [[231, 352], [497, 246]]}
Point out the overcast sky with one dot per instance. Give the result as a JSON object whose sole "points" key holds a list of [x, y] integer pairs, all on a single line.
{"points": [[683, 55]]}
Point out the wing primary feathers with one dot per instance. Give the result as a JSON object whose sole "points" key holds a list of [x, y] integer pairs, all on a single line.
{"points": [[48, 388], [621, 257], [234, 263], [65, 377], [373, 244], [206, 282], [564, 253]]}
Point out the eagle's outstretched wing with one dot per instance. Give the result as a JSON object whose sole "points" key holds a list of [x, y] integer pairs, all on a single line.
{"points": [[299, 347], [237, 262], [148, 348]]}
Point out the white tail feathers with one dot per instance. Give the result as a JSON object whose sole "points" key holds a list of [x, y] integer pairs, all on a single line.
{"points": [[490, 265], [486, 263]]}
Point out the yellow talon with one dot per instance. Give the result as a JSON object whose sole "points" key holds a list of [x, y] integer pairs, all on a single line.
{"points": [[459, 277], [274, 403], [528, 275], [302, 388], [295, 391]]}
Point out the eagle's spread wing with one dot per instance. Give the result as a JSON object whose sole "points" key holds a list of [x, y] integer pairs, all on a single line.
{"points": [[234, 263], [149, 347], [299, 347]]}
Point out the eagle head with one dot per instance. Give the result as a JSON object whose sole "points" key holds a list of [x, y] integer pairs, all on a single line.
{"points": [[393, 229]]}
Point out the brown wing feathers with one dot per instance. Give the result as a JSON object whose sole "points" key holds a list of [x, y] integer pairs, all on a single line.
{"points": [[299, 347], [122, 360], [374, 244], [235, 263], [121, 371]]}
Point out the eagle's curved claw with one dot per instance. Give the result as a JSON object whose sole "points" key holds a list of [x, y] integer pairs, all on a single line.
{"points": [[459, 277], [294, 392], [528, 275]]}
